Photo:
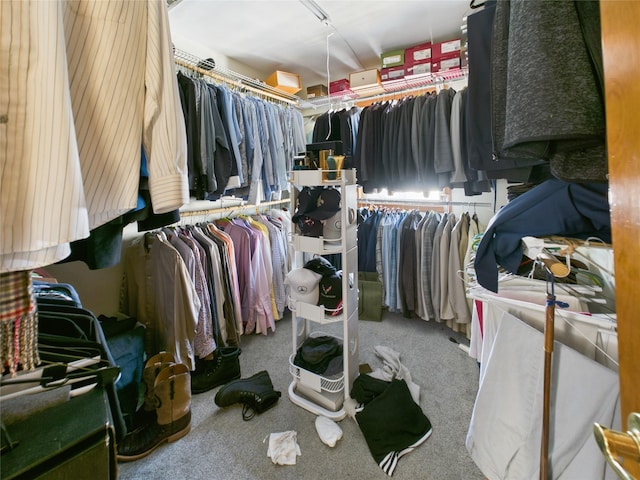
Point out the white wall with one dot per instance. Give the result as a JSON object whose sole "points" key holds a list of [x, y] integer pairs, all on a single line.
{"points": [[200, 51], [484, 213]]}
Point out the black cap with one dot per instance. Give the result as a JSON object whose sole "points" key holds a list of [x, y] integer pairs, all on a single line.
{"points": [[331, 293], [327, 204], [307, 201], [320, 265]]}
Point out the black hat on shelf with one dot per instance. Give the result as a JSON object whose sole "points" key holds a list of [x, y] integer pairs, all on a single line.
{"points": [[327, 204], [317, 202], [307, 201], [320, 265], [207, 64], [310, 227]]}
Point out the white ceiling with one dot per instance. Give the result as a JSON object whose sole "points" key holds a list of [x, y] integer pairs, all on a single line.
{"points": [[270, 35]]}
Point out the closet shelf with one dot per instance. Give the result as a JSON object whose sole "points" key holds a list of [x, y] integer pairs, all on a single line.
{"points": [[315, 313], [320, 246], [402, 86], [313, 178], [234, 79]]}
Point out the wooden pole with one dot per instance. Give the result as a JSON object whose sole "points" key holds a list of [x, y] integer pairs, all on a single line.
{"points": [[548, 361]]}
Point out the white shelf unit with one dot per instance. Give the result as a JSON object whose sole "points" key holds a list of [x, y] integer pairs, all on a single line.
{"points": [[325, 395]]}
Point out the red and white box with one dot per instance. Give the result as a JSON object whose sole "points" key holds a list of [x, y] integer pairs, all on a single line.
{"points": [[447, 49], [392, 74], [339, 86], [444, 64], [417, 70], [418, 54]]}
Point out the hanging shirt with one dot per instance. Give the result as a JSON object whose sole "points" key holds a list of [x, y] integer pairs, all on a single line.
{"points": [[203, 343], [426, 261], [88, 82], [228, 253], [158, 291]]}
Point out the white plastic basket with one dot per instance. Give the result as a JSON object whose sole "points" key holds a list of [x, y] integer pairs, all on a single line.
{"points": [[315, 381]]}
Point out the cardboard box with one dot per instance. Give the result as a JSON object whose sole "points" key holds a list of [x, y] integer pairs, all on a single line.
{"points": [[391, 74], [446, 49], [285, 81], [394, 58], [418, 53], [364, 79], [317, 91], [445, 64], [339, 86], [417, 70]]}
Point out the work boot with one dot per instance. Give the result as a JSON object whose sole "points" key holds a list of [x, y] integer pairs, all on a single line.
{"points": [[172, 392], [147, 413], [256, 394], [210, 374]]}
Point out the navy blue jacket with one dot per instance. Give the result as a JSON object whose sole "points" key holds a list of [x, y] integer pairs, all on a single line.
{"points": [[555, 207]]}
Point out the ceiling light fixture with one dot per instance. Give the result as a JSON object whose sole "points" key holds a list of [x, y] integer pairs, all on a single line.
{"points": [[317, 10]]}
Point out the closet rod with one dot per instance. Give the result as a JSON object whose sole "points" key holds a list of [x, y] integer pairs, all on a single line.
{"points": [[191, 62], [426, 203], [391, 94], [233, 208]]}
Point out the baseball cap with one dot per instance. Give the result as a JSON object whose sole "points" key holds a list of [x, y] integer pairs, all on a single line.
{"points": [[331, 293], [310, 227], [320, 265], [327, 204], [304, 285], [306, 201], [332, 227]]}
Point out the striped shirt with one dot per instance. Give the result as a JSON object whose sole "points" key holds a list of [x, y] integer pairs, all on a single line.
{"points": [[82, 85]]}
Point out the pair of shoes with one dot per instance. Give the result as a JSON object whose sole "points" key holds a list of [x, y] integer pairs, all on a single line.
{"points": [[171, 397], [256, 393], [210, 374]]}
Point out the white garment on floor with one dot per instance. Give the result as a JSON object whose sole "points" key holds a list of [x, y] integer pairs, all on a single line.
{"points": [[328, 430], [283, 448], [505, 431], [393, 368]]}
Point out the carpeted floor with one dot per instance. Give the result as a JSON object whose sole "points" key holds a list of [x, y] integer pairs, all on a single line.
{"points": [[221, 446]]}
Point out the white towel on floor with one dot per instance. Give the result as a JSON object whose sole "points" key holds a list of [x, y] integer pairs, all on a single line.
{"points": [[283, 447], [393, 368]]}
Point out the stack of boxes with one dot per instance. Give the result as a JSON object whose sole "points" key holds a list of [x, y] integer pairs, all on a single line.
{"points": [[393, 67], [419, 61], [446, 56]]}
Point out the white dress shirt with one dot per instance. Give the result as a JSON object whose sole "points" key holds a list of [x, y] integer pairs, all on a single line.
{"points": [[84, 85]]}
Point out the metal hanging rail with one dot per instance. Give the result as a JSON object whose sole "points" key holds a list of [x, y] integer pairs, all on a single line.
{"points": [[241, 206], [422, 203], [232, 78]]}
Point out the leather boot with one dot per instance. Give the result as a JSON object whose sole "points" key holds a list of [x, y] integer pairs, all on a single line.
{"points": [[223, 368], [256, 394], [172, 392], [147, 413]]}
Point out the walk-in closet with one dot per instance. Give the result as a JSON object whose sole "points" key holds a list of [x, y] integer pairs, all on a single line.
{"points": [[306, 239]]}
